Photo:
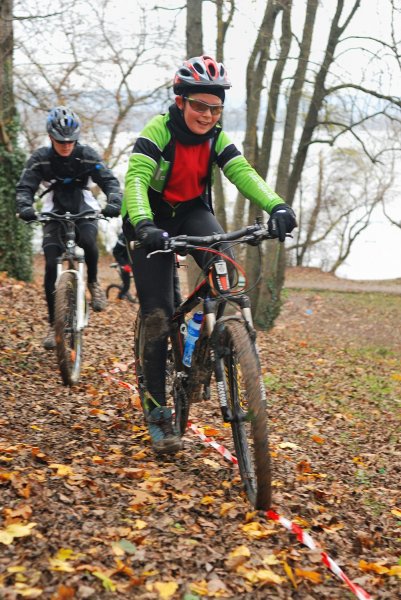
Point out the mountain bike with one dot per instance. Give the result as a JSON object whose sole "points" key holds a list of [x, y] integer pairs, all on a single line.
{"points": [[71, 306], [225, 364], [116, 291]]}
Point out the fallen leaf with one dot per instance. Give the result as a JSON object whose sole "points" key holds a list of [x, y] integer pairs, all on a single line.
{"points": [[375, 567], [139, 524], [257, 576], [107, 583], [199, 587], [226, 507], [287, 445], [237, 557], [165, 590], [24, 590], [127, 546], [257, 530], [15, 530], [290, 574], [207, 500], [312, 576], [62, 470], [395, 570]]}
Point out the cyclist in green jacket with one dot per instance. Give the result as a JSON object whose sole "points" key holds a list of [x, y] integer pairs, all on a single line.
{"points": [[168, 192]]}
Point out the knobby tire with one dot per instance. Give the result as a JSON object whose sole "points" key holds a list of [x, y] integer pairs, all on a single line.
{"points": [[112, 291], [246, 399], [68, 338]]}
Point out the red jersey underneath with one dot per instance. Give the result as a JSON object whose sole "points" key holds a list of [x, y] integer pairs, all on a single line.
{"points": [[188, 177]]}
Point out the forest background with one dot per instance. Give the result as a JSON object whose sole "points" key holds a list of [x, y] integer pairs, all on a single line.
{"points": [[314, 105]]}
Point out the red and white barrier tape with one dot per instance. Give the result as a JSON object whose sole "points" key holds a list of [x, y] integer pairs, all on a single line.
{"points": [[302, 536], [124, 384], [307, 540], [211, 442]]}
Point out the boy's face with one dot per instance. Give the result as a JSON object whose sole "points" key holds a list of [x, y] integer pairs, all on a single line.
{"points": [[197, 110], [64, 149]]}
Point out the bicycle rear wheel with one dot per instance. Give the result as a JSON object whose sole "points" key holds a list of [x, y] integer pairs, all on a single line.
{"points": [[112, 291], [246, 399], [68, 338], [174, 382]]}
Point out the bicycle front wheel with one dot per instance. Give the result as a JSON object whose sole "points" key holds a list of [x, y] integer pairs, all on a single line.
{"points": [[246, 400], [68, 338]]}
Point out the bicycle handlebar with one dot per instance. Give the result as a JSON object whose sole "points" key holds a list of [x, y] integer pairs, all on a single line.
{"points": [[248, 235], [85, 214]]}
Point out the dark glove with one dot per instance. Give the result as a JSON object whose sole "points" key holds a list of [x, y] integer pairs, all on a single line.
{"points": [[111, 210], [28, 214], [282, 220], [151, 237]]}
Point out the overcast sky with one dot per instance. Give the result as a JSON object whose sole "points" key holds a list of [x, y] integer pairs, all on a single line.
{"points": [[373, 253]]}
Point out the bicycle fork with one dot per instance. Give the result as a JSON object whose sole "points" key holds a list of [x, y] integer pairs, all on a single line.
{"points": [[79, 274], [219, 351]]}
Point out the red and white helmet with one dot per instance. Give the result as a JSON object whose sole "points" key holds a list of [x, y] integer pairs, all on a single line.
{"points": [[201, 71]]}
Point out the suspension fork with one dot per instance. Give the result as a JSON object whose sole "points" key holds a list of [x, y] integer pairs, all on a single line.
{"points": [[82, 316], [79, 275], [217, 353]]}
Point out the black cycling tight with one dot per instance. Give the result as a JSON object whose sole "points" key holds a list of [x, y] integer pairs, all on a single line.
{"points": [[154, 285]]}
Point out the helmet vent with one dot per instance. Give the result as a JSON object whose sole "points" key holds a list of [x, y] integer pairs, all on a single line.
{"points": [[199, 68]]}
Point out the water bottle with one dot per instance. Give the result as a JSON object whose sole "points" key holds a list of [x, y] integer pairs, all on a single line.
{"points": [[193, 332]]}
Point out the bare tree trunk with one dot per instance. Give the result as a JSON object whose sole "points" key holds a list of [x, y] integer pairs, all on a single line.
{"points": [[268, 299], [7, 107], [274, 91], [222, 27], [194, 30], [294, 100], [194, 39], [255, 74], [15, 246], [264, 291], [319, 92], [311, 227], [275, 280]]}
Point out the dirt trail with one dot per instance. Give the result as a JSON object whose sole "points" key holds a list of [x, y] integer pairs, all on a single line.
{"points": [[103, 518], [315, 279]]}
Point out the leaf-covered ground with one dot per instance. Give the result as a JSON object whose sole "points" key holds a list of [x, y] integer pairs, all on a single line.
{"points": [[87, 511]]}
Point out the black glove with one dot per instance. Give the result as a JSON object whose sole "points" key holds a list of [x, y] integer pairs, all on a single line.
{"points": [[111, 210], [28, 214], [282, 220], [151, 237]]}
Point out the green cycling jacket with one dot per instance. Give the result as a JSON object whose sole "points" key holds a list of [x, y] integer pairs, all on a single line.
{"points": [[152, 160]]}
